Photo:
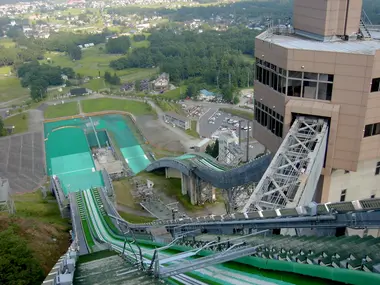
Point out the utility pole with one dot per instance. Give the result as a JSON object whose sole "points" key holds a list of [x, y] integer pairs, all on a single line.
{"points": [[248, 77]]}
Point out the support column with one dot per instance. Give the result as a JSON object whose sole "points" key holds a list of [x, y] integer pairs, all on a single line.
{"points": [[193, 190], [184, 184]]}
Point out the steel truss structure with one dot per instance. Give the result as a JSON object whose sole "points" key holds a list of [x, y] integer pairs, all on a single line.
{"points": [[286, 181]]}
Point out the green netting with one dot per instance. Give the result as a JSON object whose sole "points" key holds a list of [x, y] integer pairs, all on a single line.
{"points": [[68, 143], [102, 137], [80, 180], [72, 163], [135, 157]]}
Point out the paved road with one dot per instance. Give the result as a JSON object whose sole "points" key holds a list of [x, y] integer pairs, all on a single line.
{"points": [[36, 118]]}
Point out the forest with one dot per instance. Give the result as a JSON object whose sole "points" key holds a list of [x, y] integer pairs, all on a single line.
{"points": [[276, 9], [214, 58]]}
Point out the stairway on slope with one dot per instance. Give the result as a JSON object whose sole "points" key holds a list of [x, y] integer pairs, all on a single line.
{"points": [[112, 270]]}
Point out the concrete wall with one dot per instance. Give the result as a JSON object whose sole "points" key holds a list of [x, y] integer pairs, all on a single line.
{"points": [[352, 79], [172, 173], [327, 18], [360, 184]]}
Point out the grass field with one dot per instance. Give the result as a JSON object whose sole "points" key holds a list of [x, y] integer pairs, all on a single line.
{"points": [[134, 218], [61, 110], [10, 88], [7, 42], [240, 113], [193, 130], [39, 222], [19, 121], [95, 62], [176, 93], [133, 74], [105, 104], [170, 107], [96, 84], [123, 193]]}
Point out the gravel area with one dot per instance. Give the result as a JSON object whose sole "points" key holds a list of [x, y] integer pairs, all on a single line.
{"points": [[157, 135]]}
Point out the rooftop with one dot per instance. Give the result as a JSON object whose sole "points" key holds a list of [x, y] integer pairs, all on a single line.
{"points": [[293, 41], [176, 116]]}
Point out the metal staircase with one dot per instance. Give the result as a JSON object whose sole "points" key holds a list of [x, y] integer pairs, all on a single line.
{"points": [[363, 26]]}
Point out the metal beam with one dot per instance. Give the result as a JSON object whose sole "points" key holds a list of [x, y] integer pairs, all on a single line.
{"points": [[283, 183]]}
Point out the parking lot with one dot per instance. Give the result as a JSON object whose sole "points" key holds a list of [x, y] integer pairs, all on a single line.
{"points": [[214, 120]]}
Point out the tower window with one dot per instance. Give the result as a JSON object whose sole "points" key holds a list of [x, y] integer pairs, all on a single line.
{"points": [[343, 195], [375, 87], [377, 170]]}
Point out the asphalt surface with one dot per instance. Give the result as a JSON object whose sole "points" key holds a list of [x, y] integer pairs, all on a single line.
{"points": [[207, 126]]}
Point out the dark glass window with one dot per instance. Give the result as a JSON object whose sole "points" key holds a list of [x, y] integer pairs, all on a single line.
{"points": [[375, 87], [372, 130]]}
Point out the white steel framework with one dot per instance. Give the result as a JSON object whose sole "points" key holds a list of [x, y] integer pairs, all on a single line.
{"points": [[293, 170]]}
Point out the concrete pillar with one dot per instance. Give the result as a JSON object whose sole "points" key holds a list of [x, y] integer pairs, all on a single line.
{"points": [[184, 184], [192, 190]]}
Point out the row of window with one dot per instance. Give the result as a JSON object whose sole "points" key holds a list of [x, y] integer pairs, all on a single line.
{"points": [[375, 86], [343, 194], [268, 118], [372, 130], [295, 83]]}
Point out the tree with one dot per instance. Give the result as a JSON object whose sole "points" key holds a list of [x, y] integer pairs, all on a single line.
{"points": [[228, 93], [139, 38], [107, 76], [69, 72], [209, 149], [191, 90], [74, 52], [118, 45], [3, 131], [213, 150], [18, 265], [112, 79], [38, 90]]}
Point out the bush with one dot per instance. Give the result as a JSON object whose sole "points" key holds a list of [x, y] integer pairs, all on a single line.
{"points": [[17, 263]]}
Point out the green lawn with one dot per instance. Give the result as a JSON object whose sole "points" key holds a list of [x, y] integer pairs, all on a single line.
{"points": [[61, 110], [95, 62], [5, 70], [20, 121], [134, 218], [175, 93], [107, 104], [123, 193], [240, 113], [142, 44], [10, 88], [96, 84], [193, 130], [170, 107], [7, 42], [133, 74], [32, 205]]}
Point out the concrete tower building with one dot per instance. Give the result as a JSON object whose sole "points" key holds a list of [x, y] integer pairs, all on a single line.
{"points": [[327, 65]]}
